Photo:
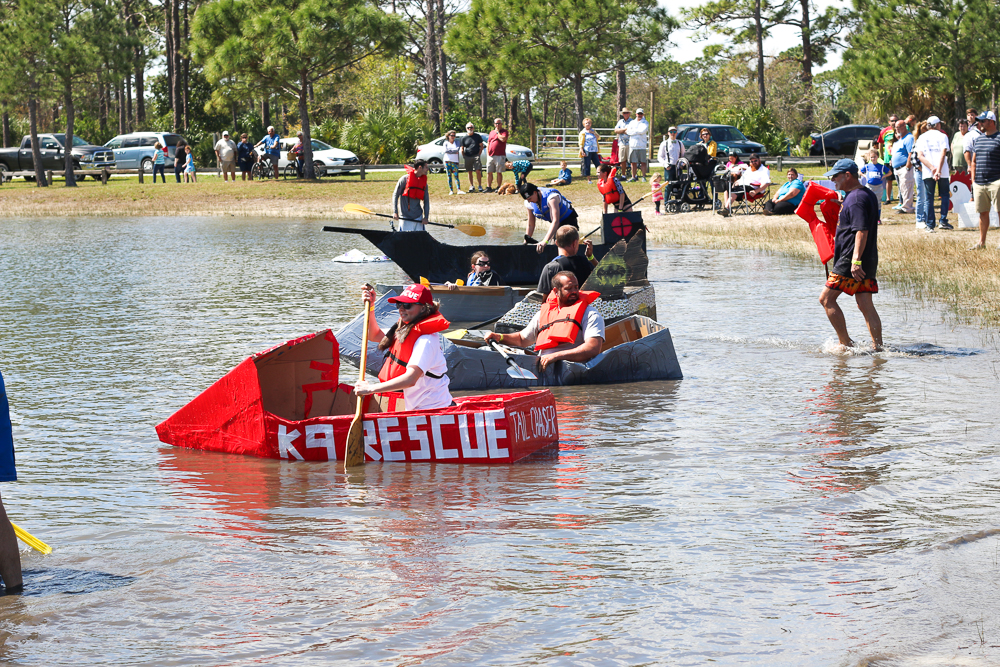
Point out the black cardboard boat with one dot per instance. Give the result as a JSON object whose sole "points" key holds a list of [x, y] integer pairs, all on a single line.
{"points": [[420, 255]]}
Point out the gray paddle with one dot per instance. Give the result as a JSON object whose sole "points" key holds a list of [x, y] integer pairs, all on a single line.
{"points": [[513, 369]]}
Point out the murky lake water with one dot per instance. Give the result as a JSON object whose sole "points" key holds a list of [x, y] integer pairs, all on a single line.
{"points": [[778, 506]]}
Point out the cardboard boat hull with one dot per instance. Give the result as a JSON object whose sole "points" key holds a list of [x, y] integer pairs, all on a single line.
{"points": [[287, 403]]}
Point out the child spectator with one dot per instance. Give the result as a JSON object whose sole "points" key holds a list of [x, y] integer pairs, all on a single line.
{"points": [[565, 176], [521, 169], [190, 174], [612, 190], [656, 187], [159, 159], [873, 176]]}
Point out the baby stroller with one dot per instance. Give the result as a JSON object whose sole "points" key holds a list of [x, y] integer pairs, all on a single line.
{"points": [[695, 185]]}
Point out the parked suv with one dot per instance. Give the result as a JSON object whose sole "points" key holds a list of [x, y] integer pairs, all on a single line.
{"points": [[842, 140], [728, 138], [135, 150]]}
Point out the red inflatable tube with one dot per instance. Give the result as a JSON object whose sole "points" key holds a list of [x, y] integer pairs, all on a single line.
{"points": [[823, 231]]}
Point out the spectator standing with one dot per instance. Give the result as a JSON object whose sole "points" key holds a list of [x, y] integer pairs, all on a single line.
{"points": [[272, 148], [788, 197], [669, 154], [472, 146], [638, 145], [159, 159], [974, 132], [451, 149], [590, 153], [244, 156], [496, 153], [886, 138], [958, 161], [190, 172], [708, 142], [179, 158], [225, 152], [656, 186], [855, 255], [411, 200], [920, 196], [902, 147], [932, 149], [873, 177], [985, 168], [621, 127]]}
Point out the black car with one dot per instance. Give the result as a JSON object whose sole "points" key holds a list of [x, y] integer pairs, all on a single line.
{"points": [[842, 140], [728, 138]]}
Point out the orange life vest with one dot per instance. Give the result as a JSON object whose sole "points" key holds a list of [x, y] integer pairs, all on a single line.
{"points": [[416, 186], [556, 325], [609, 188], [399, 353]]}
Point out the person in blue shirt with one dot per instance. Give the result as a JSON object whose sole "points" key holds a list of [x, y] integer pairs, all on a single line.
{"points": [[873, 175], [565, 176], [272, 147], [788, 196]]}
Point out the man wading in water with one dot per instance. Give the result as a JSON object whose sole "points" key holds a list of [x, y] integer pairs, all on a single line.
{"points": [[855, 255]]}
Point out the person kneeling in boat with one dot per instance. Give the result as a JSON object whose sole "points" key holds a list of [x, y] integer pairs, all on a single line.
{"points": [[411, 201], [567, 328], [414, 363], [568, 259], [549, 205]]}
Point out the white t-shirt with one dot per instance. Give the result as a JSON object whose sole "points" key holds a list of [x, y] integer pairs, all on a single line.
{"points": [[755, 177], [451, 151], [428, 393], [931, 144], [971, 135], [637, 131], [593, 327], [622, 138], [226, 148]]}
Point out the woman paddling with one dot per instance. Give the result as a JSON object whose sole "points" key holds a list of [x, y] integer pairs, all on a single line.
{"points": [[414, 363]]}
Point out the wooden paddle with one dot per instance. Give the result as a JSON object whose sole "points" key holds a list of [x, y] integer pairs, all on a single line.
{"points": [[354, 453], [471, 230], [514, 370], [30, 539]]}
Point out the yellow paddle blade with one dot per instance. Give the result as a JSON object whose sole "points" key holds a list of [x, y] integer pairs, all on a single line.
{"points": [[30, 539], [457, 334], [460, 282], [472, 230], [425, 282], [356, 208]]}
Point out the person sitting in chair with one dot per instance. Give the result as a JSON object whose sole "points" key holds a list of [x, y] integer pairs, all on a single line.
{"points": [[752, 183], [567, 328]]}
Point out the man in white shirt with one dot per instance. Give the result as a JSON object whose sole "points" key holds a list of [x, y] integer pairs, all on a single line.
{"points": [[638, 144], [752, 182], [620, 128], [225, 151], [932, 151]]}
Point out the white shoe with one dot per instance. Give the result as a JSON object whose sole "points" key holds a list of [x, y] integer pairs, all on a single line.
{"points": [[460, 192], [450, 193]]}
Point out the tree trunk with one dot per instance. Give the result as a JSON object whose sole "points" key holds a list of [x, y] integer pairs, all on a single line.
{"points": [[187, 66], [577, 79], [103, 117], [6, 130], [176, 21], [36, 151], [761, 91], [120, 99], [265, 113], [233, 108], [168, 40], [307, 154], [140, 102], [55, 118], [128, 103], [531, 121], [442, 60], [483, 99], [807, 67], [513, 121], [68, 148], [430, 66], [505, 114], [284, 118], [621, 90]]}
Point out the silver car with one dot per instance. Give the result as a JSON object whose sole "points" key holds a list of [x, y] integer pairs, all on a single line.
{"points": [[434, 152]]}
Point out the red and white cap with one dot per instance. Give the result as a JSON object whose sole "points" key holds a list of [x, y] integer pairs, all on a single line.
{"points": [[413, 294]]}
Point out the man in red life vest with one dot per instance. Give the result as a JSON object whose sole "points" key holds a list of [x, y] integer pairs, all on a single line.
{"points": [[611, 189], [414, 362], [567, 328], [410, 201]]}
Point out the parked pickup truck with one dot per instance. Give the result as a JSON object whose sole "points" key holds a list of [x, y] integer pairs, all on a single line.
{"points": [[85, 155]]}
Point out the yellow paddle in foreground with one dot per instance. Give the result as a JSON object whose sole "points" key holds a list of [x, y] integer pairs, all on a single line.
{"points": [[471, 230], [354, 454], [30, 539]]}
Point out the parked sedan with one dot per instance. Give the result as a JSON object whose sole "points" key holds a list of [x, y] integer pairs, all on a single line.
{"points": [[135, 150], [327, 160], [728, 138], [434, 152], [842, 140]]}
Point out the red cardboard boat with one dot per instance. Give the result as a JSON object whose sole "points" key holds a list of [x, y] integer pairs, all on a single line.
{"points": [[287, 403]]}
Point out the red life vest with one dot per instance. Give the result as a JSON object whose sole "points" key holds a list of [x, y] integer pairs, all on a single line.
{"points": [[399, 353], [609, 188], [416, 186], [556, 325]]}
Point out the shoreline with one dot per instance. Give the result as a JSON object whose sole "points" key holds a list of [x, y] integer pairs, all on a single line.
{"points": [[937, 266]]}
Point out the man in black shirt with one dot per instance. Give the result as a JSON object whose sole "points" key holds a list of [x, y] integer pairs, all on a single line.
{"points": [[984, 162], [472, 146], [855, 254], [568, 242]]}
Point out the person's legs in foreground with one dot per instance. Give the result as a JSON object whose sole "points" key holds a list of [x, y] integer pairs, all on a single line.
{"points": [[828, 299], [944, 191], [10, 555], [874, 322]]}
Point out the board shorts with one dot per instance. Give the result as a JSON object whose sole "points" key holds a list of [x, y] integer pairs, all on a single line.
{"points": [[638, 156], [229, 165], [473, 163], [850, 286], [8, 473], [496, 164]]}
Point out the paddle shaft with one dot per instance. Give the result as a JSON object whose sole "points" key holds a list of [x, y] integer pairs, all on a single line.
{"points": [[510, 362], [439, 224], [354, 453]]}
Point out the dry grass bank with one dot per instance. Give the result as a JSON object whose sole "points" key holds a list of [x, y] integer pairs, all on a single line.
{"points": [[926, 265]]}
